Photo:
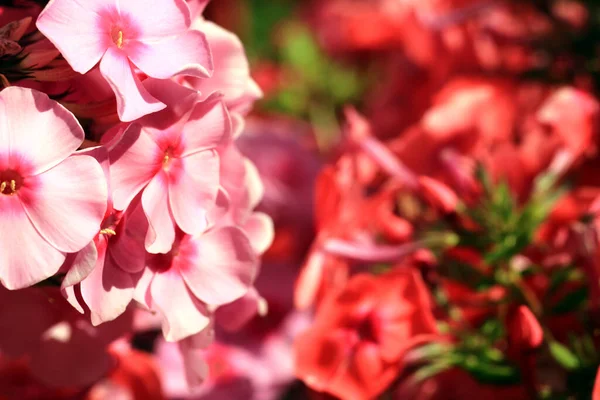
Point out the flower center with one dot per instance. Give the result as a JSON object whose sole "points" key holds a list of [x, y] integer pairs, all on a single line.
{"points": [[166, 162], [117, 37], [10, 182]]}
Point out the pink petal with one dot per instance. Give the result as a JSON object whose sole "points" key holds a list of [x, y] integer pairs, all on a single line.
{"points": [[222, 268], [186, 54], [219, 212], [179, 100], [155, 19], [310, 279], [196, 368], [83, 264], [107, 291], [233, 175], [254, 184], [133, 100], [232, 72], [202, 339], [141, 293], [184, 316], [193, 188], [70, 294], [37, 128], [77, 30], [25, 257], [234, 316], [135, 159], [260, 230], [67, 203], [161, 232], [197, 7], [129, 252], [209, 126]]}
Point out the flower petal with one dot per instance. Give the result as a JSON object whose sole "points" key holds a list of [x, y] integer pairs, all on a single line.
{"points": [[134, 160], [232, 72], [184, 316], [84, 262], [161, 230], [37, 131], [260, 230], [221, 268], [25, 257], [133, 100], [156, 18], [76, 29], [67, 203], [186, 54], [193, 188], [142, 294], [209, 125], [107, 291]]}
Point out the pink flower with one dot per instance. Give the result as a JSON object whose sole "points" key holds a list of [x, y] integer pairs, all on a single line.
{"points": [[232, 72], [197, 7], [152, 35], [214, 268], [241, 182], [103, 273], [51, 202], [170, 157]]}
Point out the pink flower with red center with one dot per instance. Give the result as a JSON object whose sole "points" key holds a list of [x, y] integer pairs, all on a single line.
{"points": [[151, 35], [208, 270], [51, 200], [171, 158]]}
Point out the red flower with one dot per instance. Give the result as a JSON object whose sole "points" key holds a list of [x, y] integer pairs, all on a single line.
{"points": [[355, 347]]}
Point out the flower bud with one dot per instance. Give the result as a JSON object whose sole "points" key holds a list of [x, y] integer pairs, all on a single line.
{"points": [[524, 330]]}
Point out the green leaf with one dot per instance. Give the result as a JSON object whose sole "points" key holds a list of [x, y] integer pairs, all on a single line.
{"points": [[489, 372], [564, 356], [571, 301]]}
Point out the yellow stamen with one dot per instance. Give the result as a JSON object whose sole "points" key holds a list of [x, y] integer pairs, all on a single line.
{"points": [[119, 41], [108, 231], [12, 184], [166, 160]]}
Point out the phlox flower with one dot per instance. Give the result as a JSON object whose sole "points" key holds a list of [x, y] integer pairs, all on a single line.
{"points": [[361, 333], [103, 273], [51, 200], [231, 74], [170, 157], [152, 36], [199, 273], [244, 189]]}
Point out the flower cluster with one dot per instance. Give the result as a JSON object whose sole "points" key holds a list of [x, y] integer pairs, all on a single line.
{"points": [[457, 240], [122, 189]]}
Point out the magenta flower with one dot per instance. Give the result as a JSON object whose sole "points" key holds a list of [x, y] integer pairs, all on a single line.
{"points": [[51, 203], [171, 158], [154, 35]]}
